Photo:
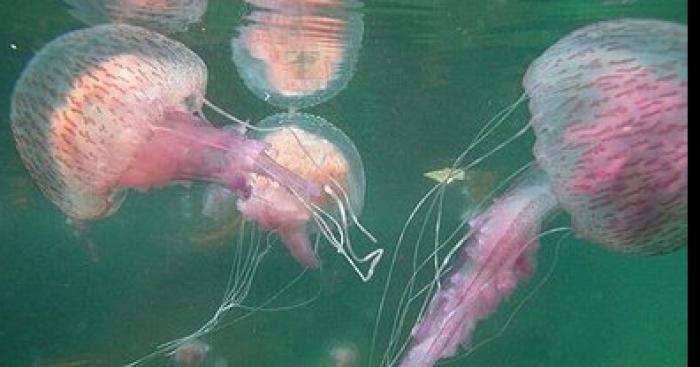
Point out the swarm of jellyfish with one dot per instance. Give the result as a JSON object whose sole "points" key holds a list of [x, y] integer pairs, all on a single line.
{"points": [[118, 106]]}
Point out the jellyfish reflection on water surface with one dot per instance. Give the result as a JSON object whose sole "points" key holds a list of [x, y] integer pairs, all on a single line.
{"points": [[609, 112], [298, 53], [165, 16]]}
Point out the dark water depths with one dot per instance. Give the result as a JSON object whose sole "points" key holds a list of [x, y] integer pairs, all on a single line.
{"points": [[429, 73]]}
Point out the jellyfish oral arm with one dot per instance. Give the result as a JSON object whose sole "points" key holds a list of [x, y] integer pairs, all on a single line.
{"points": [[298, 242], [180, 148], [183, 148], [496, 256], [280, 211]]}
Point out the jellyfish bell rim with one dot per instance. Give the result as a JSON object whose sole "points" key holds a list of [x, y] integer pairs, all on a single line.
{"points": [[320, 127], [587, 33]]}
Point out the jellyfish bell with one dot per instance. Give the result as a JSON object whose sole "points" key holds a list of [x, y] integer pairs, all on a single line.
{"points": [[321, 154], [113, 107], [164, 16], [77, 101], [614, 140], [609, 113], [298, 54]]}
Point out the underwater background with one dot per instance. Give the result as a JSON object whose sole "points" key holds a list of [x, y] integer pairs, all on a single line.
{"points": [[430, 73]]}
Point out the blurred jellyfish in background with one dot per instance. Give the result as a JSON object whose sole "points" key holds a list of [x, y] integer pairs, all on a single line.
{"points": [[340, 353], [164, 16], [298, 53], [191, 353], [609, 110]]}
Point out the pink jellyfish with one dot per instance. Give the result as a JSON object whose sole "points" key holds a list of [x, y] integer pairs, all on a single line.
{"points": [[609, 106], [325, 157], [320, 153], [165, 16], [298, 53], [115, 107]]}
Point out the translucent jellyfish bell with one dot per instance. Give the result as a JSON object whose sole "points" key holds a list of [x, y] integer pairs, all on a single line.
{"points": [[86, 93], [319, 141], [609, 106], [296, 56], [320, 153]]}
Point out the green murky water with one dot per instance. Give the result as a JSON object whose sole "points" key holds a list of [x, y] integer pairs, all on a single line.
{"points": [[430, 72]]}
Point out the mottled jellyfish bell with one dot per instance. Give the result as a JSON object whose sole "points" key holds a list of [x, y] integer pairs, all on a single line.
{"points": [[324, 156], [609, 109], [296, 54], [165, 16], [114, 107], [609, 106]]}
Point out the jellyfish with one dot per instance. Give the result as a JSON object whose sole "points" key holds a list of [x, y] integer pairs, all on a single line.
{"points": [[164, 16], [191, 353], [608, 107], [322, 155], [298, 53], [340, 353], [102, 110]]}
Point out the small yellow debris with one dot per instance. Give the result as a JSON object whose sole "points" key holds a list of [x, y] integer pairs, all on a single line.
{"points": [[446, 175]]}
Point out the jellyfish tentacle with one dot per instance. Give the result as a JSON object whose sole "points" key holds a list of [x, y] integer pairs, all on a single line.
{"points": [[373, 257], [351, 211], [490, 127]]}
